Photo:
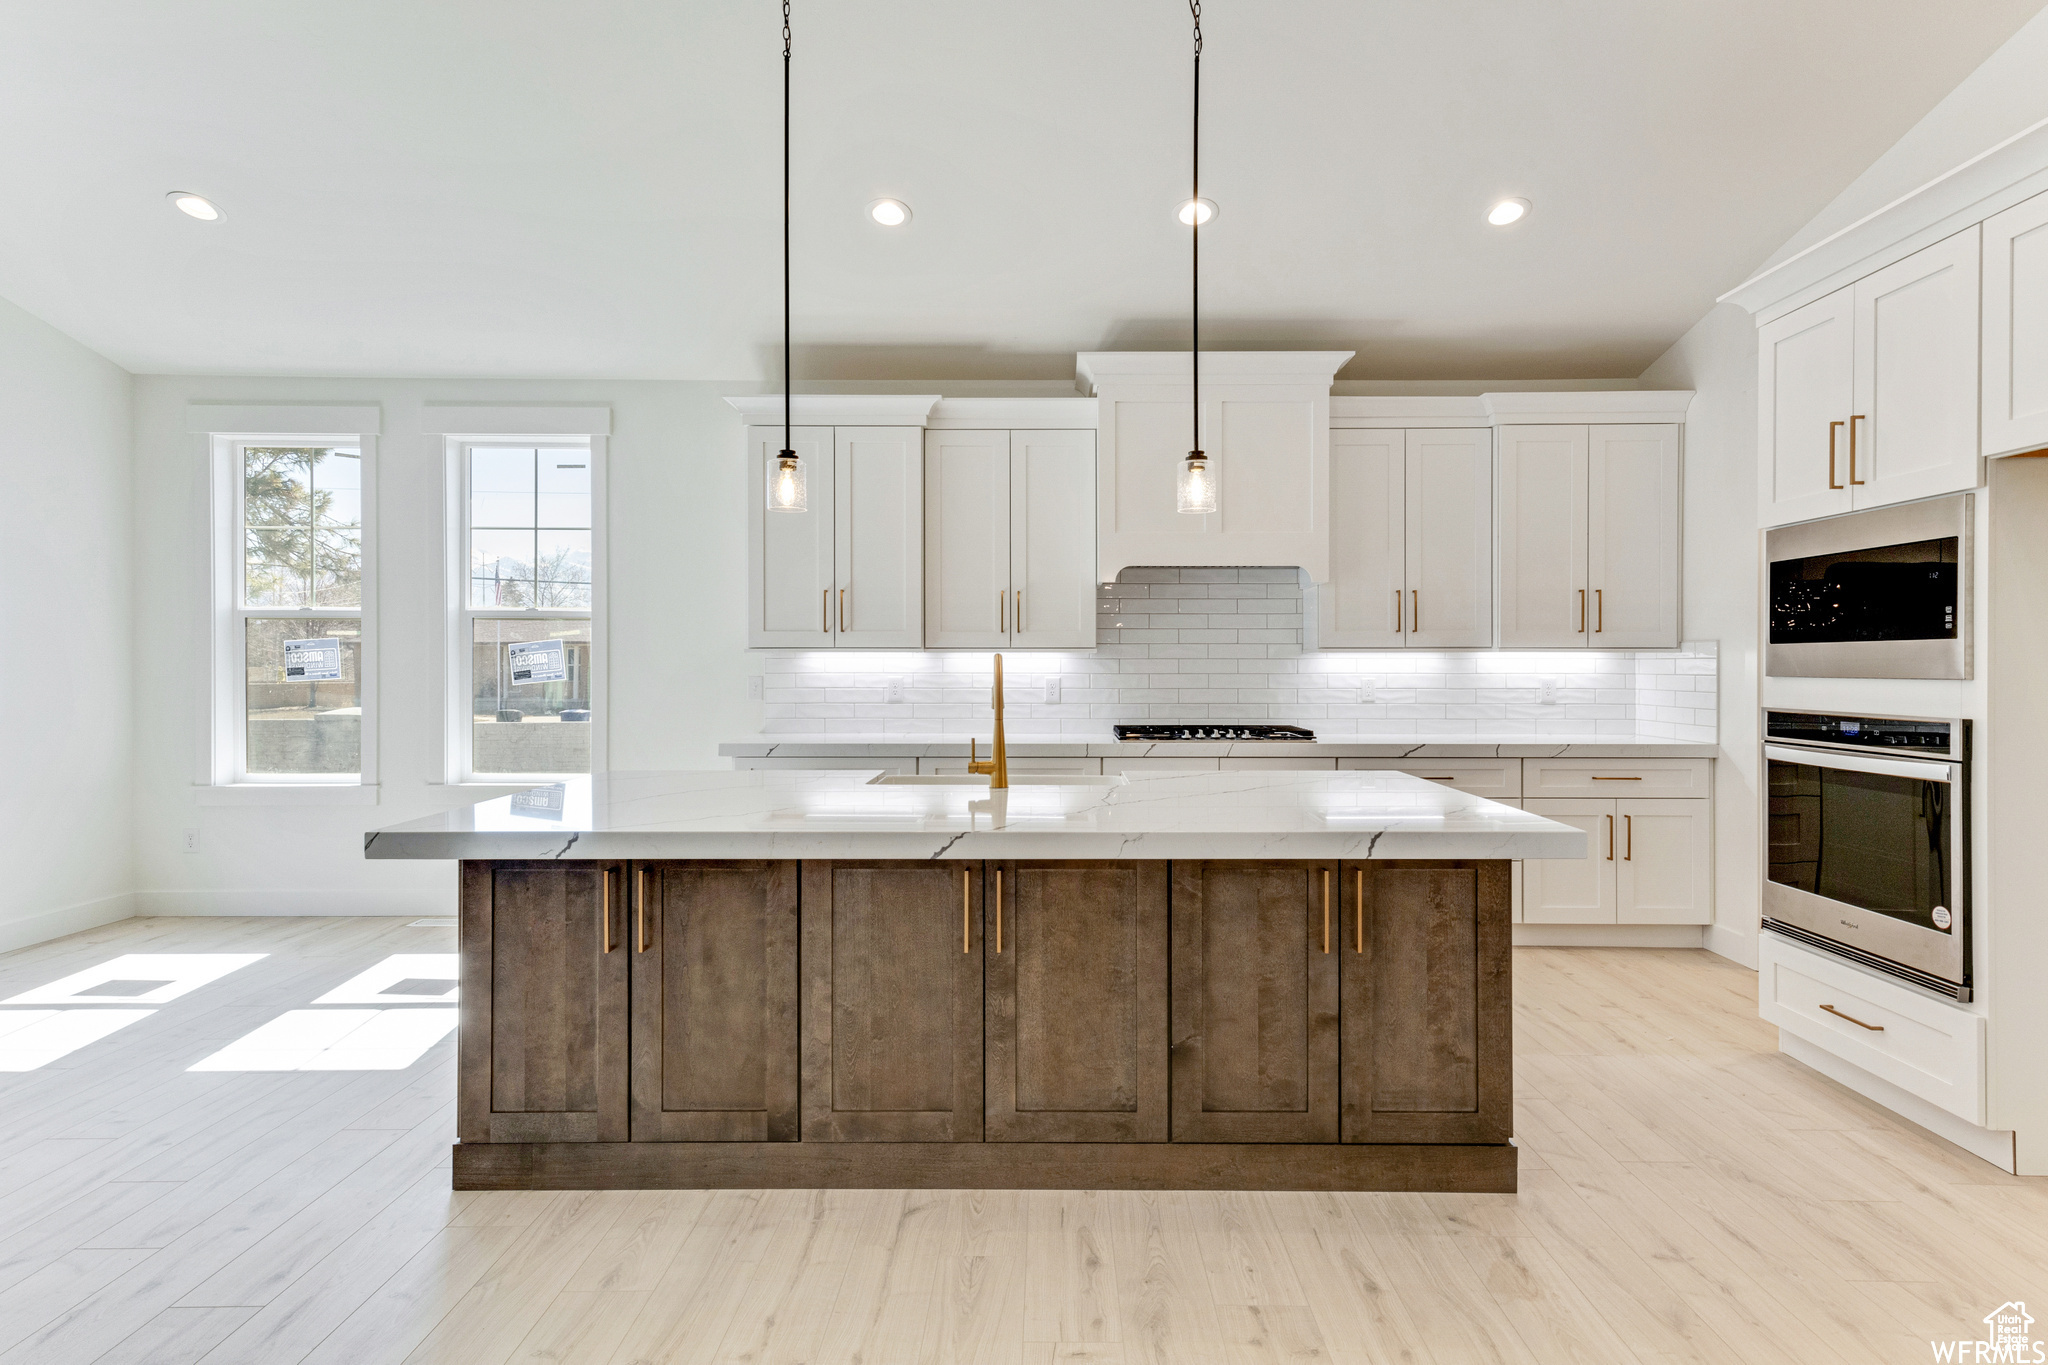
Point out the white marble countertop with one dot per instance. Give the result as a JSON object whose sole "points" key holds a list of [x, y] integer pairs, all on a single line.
{"points": [[1106, 745], [771, 814]]}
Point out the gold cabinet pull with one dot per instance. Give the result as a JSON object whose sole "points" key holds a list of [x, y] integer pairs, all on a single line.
{"points": [[1832, 481], [1000, 616], [1598, 778], [1397, 611], [1415, 612], [640, 905], [825, 611], [1610, 838], [1020, 611], [842, 611], [1359, 946], [965, 907], [1326, 910], [605, 912], [999, 912], [1853, 420], [1599, 611], [1874, 1028], [1582, 611], [1628, 846]]}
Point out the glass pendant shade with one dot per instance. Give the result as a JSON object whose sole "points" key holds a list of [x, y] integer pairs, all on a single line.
{"points": [[1197, 493], [786, 491]]}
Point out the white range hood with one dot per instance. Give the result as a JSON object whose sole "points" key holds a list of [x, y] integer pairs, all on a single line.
{"points": [[1266, 429]]}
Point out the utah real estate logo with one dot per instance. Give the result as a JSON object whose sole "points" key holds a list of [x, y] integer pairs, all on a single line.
{"points": [[2008, 1336]]}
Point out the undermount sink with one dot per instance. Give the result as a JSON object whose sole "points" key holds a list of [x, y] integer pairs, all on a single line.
{"points": [[981, 780]]}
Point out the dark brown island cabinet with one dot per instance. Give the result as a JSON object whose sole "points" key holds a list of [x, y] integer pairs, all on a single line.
{"points": [[1021, 1025]]}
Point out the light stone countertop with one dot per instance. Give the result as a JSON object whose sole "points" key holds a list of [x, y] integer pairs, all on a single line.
{"points": [[839, 814], [1107, 746]]}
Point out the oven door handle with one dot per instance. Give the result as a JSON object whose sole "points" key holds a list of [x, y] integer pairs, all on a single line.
{"points": [[1923, 770]]}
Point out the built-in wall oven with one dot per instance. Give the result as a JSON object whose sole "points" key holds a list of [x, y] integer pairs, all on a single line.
{"points": [[1868, 844], [1883, 593]]}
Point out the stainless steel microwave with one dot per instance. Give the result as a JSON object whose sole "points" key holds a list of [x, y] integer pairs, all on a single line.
{"points": [[1883, 593]]}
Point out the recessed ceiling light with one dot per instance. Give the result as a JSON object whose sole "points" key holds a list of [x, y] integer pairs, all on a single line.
{"points": [[1507, 211], [1195, 212], [197, 205], [889, 212]]}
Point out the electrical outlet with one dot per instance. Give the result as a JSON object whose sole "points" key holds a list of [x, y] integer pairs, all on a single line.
{"points": [[757, 687], [1052, 691], [1549, 697], [1368, 691], [191, 841], [899, 691]]}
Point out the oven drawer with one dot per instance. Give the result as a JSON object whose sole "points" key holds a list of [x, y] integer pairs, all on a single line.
{"points": [[1628, 778], [1496, 779], [1925, 1047]]}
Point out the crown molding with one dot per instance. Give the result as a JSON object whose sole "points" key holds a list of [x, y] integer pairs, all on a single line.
{"points": [[1013, 414], [837, 409], [1091, 368], [1988, 183], [1491, 409]]}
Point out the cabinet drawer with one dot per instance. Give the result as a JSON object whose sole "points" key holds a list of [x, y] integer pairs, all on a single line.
{"points": [[1931, 1049], [1017, 765], [1138, 767], [1496, 779], [1284, 765], [1626, 778], [888, 763]]}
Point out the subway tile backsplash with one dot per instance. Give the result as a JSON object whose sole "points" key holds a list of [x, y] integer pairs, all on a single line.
{"points": [[1226, 644]]}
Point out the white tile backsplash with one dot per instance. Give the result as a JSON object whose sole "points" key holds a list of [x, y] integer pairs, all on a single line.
{"points": [[1226, 644]]}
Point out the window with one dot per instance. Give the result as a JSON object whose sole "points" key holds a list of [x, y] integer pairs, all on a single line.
{"points": [[524, 640], [290, 705]]}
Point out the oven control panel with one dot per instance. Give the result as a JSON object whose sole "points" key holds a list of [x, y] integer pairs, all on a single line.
{"points": [[1946, 739]]}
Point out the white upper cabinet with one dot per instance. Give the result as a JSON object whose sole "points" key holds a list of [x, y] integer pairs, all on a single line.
{"points": [[1589, 536], [878, 506], [789, 554], [1052, 539], [1450, 539], [1913, 432], [1365, 603], [1543, 587], [1009, 539], [967, 539], [2016, 329], [1411, 541], [1632, 531], [1868, 396], [1806, 391]]}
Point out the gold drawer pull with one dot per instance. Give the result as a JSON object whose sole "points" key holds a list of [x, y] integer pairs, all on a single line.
{"points": [[999, 912], [965, 940], [605, 911], [1874, 1028], [1427, 778], [1361, 912], [640, 898], [1326, 910], [1617, 779]]}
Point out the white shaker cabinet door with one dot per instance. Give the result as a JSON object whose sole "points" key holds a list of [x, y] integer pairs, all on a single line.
{"points": [[1052, 539], [1450, 538], [2015, 392], [1632, 536], [1662, 874], [878, 537], [967, 539], [1805, 389], [1365, 603], [1913, 431], [789, 554], [1543, 593], [1572, 890]]}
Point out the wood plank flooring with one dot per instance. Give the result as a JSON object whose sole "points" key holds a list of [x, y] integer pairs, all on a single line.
{"points": [[1689, 1197]]}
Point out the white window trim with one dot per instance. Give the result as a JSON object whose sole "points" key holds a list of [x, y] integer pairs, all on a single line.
{"points": [[456, 649], [222, 768]]}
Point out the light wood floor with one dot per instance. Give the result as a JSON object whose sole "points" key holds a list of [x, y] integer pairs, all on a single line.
{"points": [[1688, 1195]]}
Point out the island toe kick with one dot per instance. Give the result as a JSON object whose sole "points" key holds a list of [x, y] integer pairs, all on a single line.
{"points": [[1300, 1024]]}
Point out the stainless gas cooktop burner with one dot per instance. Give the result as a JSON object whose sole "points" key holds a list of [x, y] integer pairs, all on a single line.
{"points": [[1161, 734]]}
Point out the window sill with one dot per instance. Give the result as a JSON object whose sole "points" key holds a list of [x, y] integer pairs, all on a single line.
{"points": [[288, 794]]}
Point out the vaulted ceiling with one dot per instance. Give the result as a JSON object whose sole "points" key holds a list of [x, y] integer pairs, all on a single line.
{"points": [[520, 188]]}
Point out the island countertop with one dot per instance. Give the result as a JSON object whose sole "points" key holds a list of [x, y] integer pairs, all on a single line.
{"points": [[844, 815]]}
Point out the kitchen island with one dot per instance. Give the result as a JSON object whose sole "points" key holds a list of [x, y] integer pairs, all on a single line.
{"points": [[1249, 980]]}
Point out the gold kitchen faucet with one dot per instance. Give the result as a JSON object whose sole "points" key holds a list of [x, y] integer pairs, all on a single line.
{"points": [[998, 765]]}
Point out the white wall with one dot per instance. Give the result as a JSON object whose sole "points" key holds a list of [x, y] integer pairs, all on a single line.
{"points": [[66, 632], [677, 612], [1717, 359]]}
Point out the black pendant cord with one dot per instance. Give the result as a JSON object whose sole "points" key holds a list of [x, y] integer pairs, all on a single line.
{"points": [[1195, 252], [788, 447]]}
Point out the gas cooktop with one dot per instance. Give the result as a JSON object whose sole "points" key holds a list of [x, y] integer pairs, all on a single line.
{"points": [[1158, 734]]}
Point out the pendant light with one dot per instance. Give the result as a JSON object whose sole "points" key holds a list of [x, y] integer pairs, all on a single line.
{"points": [[1196, 493], [786, 490]]}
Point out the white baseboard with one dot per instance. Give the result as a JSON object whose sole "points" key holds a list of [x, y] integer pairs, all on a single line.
{"points": [[297, 901], [1607, 935], [1737, 945], [32, 929], [1994, 1145]]}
